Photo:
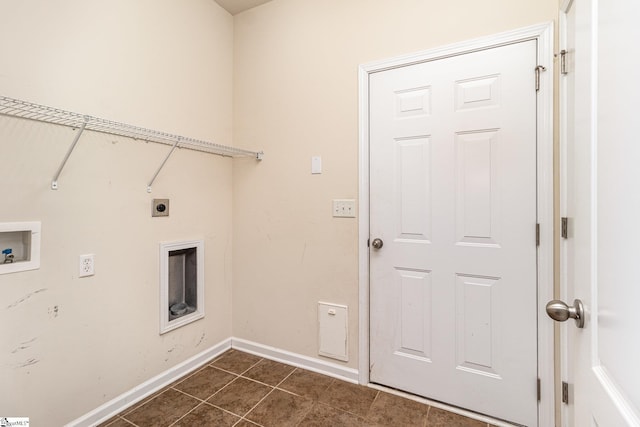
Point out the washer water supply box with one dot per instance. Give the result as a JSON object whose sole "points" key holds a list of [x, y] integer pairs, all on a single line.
{"points": [[19, 246]]}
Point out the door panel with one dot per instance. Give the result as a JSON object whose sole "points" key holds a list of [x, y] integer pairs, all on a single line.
{"points": [[453, 197], [477, 332], [413, 189], [415, 313], [477, 201]]}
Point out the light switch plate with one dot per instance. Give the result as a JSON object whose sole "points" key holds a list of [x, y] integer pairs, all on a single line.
{"points": [[344, 208], [316, 165]]}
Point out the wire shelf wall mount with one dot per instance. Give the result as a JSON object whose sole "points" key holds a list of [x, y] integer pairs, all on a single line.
{"points": [[27, 110]]}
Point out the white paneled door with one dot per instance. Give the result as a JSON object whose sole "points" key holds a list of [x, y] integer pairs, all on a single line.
{"points": [[453, 310], [601, 172]]}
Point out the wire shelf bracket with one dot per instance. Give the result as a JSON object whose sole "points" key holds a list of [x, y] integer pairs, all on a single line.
{"points": [[54, 182], [162, 165], [27, 110]]}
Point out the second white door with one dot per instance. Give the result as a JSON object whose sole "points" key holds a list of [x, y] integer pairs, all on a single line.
{"points": [[600, 200], [453, 204]]}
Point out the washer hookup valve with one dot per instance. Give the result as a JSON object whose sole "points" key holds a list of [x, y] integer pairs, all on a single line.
{"points": [[8, 256]]}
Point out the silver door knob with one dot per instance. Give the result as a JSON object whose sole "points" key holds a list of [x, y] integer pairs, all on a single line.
{"points": [[377, 243], [560, 311]]}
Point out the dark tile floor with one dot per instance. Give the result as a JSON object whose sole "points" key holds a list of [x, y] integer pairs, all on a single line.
{"points": [[242, 390]]}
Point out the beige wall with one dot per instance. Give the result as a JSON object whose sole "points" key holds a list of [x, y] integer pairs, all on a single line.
{"points": [[296, 96], [71, 344]]}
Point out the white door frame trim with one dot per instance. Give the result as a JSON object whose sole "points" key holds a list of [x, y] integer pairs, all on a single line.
{"points": [[562, 124], [543, 34]]}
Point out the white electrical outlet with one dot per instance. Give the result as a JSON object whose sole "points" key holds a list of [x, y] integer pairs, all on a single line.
{"points": [[87, 265]]}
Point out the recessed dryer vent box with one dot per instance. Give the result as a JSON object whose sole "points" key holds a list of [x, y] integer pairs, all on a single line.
{"points": [[19, 246], [181, 283]]}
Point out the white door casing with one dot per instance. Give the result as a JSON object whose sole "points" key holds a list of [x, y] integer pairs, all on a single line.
{"points": [[600, 173], [484, 284]]}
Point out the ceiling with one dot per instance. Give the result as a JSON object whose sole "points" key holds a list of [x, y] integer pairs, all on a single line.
{"points": [[236, 6]]}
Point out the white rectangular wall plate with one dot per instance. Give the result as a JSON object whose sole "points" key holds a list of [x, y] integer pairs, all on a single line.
{"points": [[316, 165], [344, 208], [86, 265]]}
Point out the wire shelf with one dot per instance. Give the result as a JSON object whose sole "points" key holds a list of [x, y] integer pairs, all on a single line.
{"points": [[28, 110], [31, 111]]}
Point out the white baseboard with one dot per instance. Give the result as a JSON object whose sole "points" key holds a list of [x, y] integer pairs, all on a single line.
{"points": [[136, 394], [310, 363]]}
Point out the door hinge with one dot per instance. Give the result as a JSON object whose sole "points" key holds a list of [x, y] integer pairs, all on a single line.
{"points": [[368, 242], [537, 234], [539, 69], [565, 392], [563, 62], [564, 222], [539, 391]]}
